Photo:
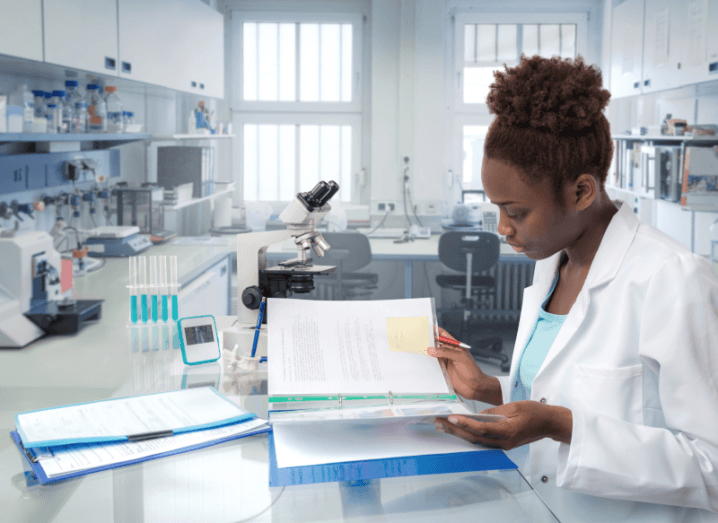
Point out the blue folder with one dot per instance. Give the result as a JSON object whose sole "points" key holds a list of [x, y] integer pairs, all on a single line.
{"points": [[473, 461], [39, 472]]}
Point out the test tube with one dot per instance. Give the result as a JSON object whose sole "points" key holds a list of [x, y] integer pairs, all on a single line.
{"points": [[174, 288], [163, 287], [143, 287], [133, 289], [154, 287]]}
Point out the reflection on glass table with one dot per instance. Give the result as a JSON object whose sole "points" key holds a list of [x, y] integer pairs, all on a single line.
{"points": [[229, 482]]}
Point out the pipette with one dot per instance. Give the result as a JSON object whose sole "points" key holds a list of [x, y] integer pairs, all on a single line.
{"points": [[143, 287], [133, 289], [174, 288], [163, 287], [154, 287]]}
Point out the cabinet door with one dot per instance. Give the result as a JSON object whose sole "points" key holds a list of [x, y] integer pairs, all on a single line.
{"points": [[700, 60], [21, 28], [664, 45], [82, 34], [146, 34], [627, 48]]}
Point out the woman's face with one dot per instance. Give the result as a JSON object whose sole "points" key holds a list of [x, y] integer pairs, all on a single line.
{"points": [[531, 220]]}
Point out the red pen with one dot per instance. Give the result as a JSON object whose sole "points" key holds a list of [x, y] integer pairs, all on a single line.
{"points": [[453, 343]]}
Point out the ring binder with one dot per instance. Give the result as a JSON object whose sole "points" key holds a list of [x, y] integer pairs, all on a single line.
{"points": [[391, 398]]}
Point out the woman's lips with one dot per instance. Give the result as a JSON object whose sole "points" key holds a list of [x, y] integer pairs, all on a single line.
{"points": [[517, 248]]}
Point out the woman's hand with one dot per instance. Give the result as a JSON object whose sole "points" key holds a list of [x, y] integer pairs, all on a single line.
{"points": [[527, 421], [466, 377]]}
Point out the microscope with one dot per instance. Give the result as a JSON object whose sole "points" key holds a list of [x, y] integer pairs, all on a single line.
{"points": [[256, 281], [36, 290]]}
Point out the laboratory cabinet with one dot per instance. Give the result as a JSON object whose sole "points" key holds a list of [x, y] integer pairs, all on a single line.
{"points": [[627, 48], [81, 34], [21, 29], [209, 293]]}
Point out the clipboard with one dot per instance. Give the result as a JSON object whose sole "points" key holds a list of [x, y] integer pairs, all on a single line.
{"points": [[36, 466], [474, 461]]}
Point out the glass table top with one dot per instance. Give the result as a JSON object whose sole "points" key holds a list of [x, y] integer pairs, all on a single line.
{"points": [[224, 483]]}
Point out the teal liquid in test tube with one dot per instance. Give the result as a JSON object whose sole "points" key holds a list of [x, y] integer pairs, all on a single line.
{"points": [[143, 288], [154, 287], [133, 289], [164, 289], [174, 288]]}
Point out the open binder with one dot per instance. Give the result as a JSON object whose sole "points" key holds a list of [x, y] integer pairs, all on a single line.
{"points": [[419, 385]]}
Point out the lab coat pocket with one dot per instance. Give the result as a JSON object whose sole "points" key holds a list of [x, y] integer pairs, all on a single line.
{"points": [[612, 392]]}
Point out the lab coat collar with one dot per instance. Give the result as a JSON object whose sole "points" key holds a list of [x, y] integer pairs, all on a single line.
{"points": [[610, 255]]}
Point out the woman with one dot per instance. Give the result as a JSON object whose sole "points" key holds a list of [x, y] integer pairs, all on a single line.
{"points": [[613, 380]]}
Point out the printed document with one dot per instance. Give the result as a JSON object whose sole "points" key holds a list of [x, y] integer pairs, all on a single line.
{"points": [[337, 347], [83, 456], [117, 418]]}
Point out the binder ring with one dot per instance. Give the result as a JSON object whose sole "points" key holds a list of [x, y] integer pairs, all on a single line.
{"points": [[391, 398], [340, 401]]}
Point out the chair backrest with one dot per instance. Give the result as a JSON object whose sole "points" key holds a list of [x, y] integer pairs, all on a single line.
{"points": [[357, 245], [483, 245]]}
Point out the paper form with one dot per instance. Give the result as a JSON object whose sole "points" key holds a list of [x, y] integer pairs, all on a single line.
{"points": [[127, 416], [408, 334], [306, 444], [318, 347], [83, 456], [697, 29]]}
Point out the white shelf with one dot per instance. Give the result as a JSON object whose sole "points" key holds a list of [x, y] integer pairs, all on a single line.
{"points": [[171, 137], [665, 137], [229, 190]]}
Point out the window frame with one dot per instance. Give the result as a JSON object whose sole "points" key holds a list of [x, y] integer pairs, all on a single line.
{"points": [[462, 19], [352, 120], [355, 19]]}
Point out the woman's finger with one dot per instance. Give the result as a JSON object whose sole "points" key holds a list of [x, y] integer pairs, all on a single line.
{"points": [[443, 425], [453, 354]]}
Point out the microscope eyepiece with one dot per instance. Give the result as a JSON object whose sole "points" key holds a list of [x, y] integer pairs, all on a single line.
{"points": [[320, 194]]}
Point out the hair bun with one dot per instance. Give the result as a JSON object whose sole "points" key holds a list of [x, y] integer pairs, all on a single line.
{"points": [[549, 93]]}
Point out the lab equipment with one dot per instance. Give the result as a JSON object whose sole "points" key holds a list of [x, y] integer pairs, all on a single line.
{"points": [[464, 216], [23, 98], [174, 288], [154, 287], [143, 207], [256, 281], [177, 165], [133, 288], [36, 290], [142, 285], [163, 290], [700, 178], [116, 241], [115, 123], [96, 110], [198, 340]]}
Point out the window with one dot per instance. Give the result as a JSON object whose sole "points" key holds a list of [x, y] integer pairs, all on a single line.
{"points": [[299, 102], [484, 43]]}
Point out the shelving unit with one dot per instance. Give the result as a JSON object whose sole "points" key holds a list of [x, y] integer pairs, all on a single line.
{"points": [[101, 141], [171, 137], [228, 190]]}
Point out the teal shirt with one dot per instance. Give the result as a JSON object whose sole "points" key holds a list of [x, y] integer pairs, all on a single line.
{"points": [[545, 331]]}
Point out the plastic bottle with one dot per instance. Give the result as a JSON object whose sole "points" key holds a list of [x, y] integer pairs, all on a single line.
{"points": [[23, 98], [66, 116], [96, 110], [73, 94], [51, 116], [114, 110], [39, 104], [126, 120], [79, 117]]}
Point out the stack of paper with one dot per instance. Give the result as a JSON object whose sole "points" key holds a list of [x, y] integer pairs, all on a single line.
{"points": [[79, 439]]}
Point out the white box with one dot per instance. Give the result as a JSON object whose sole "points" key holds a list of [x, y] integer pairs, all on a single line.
{"points": [[3, 113], [14, 119], [57, 147]]}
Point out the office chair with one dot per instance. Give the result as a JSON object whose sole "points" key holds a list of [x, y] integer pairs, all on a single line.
{"points": [[350, 251], [472, 253]]}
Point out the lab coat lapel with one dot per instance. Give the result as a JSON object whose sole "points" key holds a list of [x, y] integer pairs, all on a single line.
{"points": [[615, 243]]}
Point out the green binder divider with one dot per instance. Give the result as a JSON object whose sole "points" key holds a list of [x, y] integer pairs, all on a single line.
{"points": [[290, 399], [425, 397]]}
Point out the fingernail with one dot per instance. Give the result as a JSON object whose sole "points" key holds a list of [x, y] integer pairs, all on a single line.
{"points": [[454, 420], [439, 427], [431, 351]]}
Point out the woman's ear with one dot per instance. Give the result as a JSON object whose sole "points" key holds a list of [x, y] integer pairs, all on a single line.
{"points": [[582, 192]]}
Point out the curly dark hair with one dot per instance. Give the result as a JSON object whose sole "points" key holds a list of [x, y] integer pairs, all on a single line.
{"points": [[549, 120]]}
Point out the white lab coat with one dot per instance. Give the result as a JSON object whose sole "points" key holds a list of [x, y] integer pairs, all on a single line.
{"points": [[636, 361]]}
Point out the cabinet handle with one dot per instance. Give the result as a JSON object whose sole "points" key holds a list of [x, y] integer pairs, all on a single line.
{"points": [[647, 83], [713, 68], [194, 84], [201, 86], [637, 85], [127, 67], [110, 63]]}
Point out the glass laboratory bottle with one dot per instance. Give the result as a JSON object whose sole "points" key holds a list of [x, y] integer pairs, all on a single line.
{"points": [[23, 98], [51, 117], [39, 104], [96, 110], [79, 117], [114, 110]]}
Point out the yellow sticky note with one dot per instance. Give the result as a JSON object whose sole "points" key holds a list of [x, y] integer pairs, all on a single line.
{"points": [[408, 334]]}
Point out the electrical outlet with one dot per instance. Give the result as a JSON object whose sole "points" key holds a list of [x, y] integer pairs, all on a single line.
{"points": [[391, 206], [431, 208]]}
